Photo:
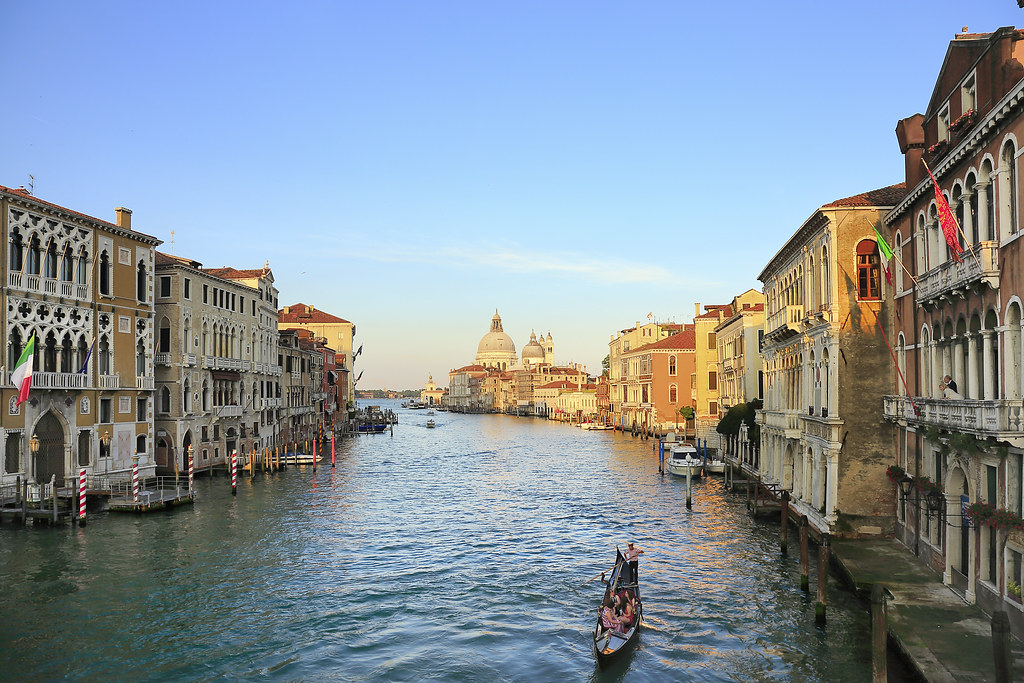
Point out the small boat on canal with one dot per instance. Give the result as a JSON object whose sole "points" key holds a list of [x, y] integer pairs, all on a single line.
{"points": [[684, 459], [295, 458], [430, 424], [609, 642]]}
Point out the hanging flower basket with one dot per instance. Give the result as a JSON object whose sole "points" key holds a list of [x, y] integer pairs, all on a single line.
{"points": [[895, 473], [926, 485], [964, 121], [989, 515], [938, 148]]}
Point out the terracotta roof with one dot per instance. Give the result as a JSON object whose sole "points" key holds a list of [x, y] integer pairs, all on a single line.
{"points": [[303, 314], [228, 273], [684, 341], [113, 226], [557, 385], [885, 196], [163, 259], [713, 311]]}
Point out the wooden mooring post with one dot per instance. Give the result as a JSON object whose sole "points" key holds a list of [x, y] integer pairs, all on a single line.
{"points": [[689, 489], [805, 570], [823, 553], [1001, 646], [879, 635], [783, 531]]}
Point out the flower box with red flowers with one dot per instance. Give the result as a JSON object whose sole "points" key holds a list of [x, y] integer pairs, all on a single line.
{"points": [[895, 473], [964, 121], [938, 148], [989, 515]]}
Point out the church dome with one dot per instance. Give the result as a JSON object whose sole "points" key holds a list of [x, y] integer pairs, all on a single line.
{"points": [[496, 349], [496, 339], [533, 351]]}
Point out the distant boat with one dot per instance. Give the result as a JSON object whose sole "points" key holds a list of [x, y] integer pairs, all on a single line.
{"points": [[430, 424], [299, 458]]}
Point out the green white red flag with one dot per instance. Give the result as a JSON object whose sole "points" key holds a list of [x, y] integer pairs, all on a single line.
{"points": [[946, 219], [22, 375], [886, 252]]}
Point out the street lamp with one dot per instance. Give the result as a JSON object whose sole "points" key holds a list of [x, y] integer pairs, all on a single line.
{"points": [[33, 446], [105, 447]]}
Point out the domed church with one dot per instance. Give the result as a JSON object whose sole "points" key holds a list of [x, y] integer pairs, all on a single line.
{"points": [[534, 352], [496, 349]]}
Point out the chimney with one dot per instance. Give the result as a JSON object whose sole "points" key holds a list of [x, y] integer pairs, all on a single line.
{"points": [[124, 217], [696, 307]]}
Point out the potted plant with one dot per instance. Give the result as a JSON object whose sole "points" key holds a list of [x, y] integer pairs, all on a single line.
{"points": [[964, 121], [895, 473]]}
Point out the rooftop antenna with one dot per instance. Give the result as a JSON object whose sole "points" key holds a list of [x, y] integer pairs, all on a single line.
{"points": [[172, 243], [31, 184]]}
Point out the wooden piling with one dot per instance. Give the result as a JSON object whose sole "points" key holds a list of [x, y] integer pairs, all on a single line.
{"points": [[689, 489], [805, 572], [879, 635], [1001, 646], [784, 530], [823, 553]]}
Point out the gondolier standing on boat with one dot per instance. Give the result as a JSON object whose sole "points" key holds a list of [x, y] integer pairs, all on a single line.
{"points": [[631, 555]]}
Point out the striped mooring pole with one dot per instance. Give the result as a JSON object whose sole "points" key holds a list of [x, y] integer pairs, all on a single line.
{"points": [[81, 498], [234, 472], [191, 470], [332, 450], [135, 478]]}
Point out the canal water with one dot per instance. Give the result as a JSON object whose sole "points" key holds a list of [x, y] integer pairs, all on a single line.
{"points": [[454, 554]]}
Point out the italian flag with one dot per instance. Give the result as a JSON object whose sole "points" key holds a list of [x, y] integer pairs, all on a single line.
{"points": [[22, 375]]}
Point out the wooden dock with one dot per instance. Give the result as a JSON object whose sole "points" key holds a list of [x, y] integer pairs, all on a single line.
{"points": [[150, 500]]}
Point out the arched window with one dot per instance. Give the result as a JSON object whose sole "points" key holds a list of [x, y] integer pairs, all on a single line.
{"points": [[898, 251], [868, 286], [104, 351], [1008, 191], [140, 444], [206, 396], [672, 365], [140, 358], [826, 278], [989, 203], [83, 267], [165, 400], [14, 347], [165, 336], [67, 264], [50, 353], [17, 251], [186, 396], [104, 273], [33, 255], [140, 282], [673, 394], [50, 269]]}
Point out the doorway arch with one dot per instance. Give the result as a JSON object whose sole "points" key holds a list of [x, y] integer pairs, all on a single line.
{"points": [[49, 460]]}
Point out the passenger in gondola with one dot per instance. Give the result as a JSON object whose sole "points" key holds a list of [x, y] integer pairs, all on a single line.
{"points": [[628, 614], [609, 619]]}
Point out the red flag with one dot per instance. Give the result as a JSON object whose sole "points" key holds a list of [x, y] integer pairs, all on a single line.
{"points": [[946, 219], [888, 274]]}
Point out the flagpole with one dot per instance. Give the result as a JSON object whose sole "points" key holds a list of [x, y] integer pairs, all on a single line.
{"points": [[899, 261], [953, 216]]}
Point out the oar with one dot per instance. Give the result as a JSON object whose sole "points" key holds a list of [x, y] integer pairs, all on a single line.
{"points": [[602, 573]]}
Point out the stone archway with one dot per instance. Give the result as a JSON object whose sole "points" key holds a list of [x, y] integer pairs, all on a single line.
{"points": [[49, 460]]}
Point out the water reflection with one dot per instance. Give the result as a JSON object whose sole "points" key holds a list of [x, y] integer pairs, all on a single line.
{"points": [[455, 553]]}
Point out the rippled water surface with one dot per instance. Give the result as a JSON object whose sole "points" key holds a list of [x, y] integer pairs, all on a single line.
{"points": [[453, 554]]}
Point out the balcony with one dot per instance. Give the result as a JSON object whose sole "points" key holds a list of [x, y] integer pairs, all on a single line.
{"points": [[31, 283], [143, 383], [229, 411], [784, 323], [246, 365], [727, 363], [162, 359], [222, 363], [59, 380], [272, 402], [276, 370], [296, 376], [108, 382], [785, 421], [188, 360], [1002, 419], [980, 264]]}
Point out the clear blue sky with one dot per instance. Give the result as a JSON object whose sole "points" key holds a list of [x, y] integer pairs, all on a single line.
{"points": [[413, 166]]}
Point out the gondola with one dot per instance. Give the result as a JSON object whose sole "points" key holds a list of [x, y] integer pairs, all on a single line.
{"points": [[608, 642]]}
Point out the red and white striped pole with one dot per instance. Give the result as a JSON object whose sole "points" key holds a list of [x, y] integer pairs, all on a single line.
{"points": [[135, 478], [191, 470], [332, 450], [234, 472], [81, 498], [314, 454]]}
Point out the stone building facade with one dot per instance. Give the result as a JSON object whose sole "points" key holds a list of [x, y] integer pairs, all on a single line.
{"points": [[84, 288], [217, 376], [827, 367], [962, 318]]}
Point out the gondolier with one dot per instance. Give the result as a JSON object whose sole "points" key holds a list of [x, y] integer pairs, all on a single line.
{"points": [[632, 553]]}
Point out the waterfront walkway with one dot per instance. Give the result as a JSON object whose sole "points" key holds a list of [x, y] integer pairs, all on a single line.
{"points": [[939, 634]]}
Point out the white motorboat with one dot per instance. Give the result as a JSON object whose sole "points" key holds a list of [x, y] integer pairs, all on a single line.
{"points": [[683, 459], [714, 465]]}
